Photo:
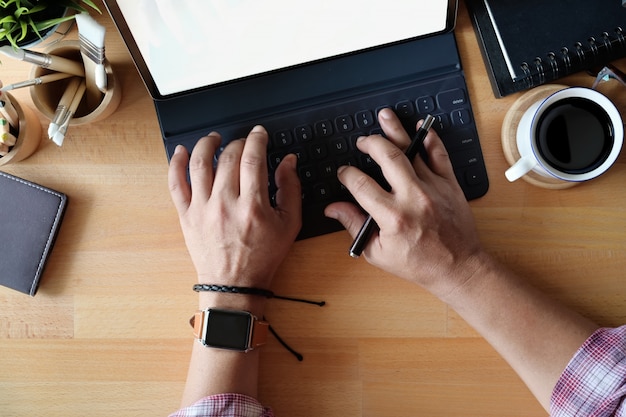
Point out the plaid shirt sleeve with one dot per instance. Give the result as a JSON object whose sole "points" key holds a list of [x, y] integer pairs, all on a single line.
{"points": [[594, 382], [225, 405]]}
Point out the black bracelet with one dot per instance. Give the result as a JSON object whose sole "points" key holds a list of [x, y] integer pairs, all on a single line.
{"points": [[250, 291], [233, 290]]}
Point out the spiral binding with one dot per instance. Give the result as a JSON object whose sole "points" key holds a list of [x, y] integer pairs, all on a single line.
{"points": [[596, 51]]}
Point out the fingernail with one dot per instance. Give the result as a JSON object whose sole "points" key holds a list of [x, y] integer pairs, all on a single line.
{"points": [[258, 129], [331, 213], [385, 113], [178, 149], [341, 169], [293, 161]]}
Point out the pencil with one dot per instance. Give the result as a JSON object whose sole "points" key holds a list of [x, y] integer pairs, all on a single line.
{"points": [[8, 111], [369, 226], [7, 138], [4, 126]]}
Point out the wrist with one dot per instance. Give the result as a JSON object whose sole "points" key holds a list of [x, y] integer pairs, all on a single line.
{"points": [[252, 279], [470, 276], [253, 303]]}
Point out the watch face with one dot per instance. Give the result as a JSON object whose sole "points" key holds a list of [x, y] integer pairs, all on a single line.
{"points": [[228, 329]]}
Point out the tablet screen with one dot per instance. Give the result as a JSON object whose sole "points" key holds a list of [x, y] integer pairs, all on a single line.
{"points": [[188, 44]]}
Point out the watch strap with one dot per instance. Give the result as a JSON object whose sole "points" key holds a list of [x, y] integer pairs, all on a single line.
{"points": [[260, 329], [197, 321]]}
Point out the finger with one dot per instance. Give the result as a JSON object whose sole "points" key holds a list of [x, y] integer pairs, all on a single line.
{"points": [[348, 214], [367, 192], [289, 193], [438, 158], [394, 131], [180, 190], [228, 169], [253, 169], [201, 166], [396, 167]]}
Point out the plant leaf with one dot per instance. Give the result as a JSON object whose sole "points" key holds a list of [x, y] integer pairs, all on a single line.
{"points": [[35, 9], [45, 24]]}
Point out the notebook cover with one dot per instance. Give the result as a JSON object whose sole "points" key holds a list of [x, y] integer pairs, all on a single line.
{"points": [[30, 216], [554, 38]]}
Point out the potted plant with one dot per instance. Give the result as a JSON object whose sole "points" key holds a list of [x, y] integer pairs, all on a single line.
{"points": [[23, 22]]}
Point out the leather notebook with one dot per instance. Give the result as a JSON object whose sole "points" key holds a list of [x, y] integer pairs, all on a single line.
{"points": [[30, 217]]}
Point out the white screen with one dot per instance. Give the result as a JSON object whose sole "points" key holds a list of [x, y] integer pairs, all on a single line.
{"points": [[194, 43]]}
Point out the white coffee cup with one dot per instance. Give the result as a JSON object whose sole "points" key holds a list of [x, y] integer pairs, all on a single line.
{"points": [[575, 134]]}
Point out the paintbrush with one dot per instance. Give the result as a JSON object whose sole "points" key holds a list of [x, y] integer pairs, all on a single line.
{"points": [[64, 103], [52, 62], [59, 136], [91, 38], [48, 78]]}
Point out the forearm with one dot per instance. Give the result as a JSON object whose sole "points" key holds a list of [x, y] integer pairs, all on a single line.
{"points": [[537, 336], [216, 371]]}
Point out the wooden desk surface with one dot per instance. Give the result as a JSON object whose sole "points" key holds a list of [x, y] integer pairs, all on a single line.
{"points": [[107, 333]]}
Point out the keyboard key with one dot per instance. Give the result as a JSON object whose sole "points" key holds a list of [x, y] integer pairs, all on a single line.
{"points": [[344, 123], [324, 129], [307, 174], [367, 162], [319, 151], [465, 158], [378, 132], [301, 154], [304, 133], [461, 117], [349, 161], [425, 105], [451, 99], [321, 192], [328, 169], [405, 109], [475, 175], [365, 119], [283, 138], [354, 137], [339, 146], [441, 123], [275, 158], [462, 139], [340, 192]]}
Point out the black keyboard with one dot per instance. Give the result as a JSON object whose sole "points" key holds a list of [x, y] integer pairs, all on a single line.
{"points": [[324, 138]]}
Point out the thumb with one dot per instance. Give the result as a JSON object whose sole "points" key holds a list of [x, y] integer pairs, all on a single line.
{"points": [[348, 214], [289, 193]]}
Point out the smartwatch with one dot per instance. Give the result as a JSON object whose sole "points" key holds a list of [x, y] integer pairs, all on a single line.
{"points": [[229, 329]]}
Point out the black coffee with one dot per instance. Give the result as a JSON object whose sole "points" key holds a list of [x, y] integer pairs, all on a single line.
{"points": [[574, 135]]}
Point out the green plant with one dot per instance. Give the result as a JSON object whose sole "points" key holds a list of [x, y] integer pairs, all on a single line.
{"points": [[19, 18]]}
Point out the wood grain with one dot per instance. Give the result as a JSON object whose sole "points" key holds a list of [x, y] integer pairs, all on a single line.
{"points": [[107, 334]]}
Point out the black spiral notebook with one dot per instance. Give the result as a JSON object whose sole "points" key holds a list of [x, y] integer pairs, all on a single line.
{"points": [[30, 217], [533, 42]]}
